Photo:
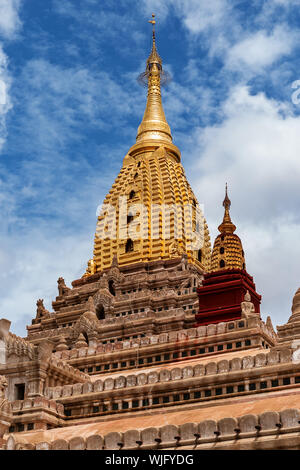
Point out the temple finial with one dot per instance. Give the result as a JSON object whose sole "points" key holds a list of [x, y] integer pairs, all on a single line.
{"points": [[153, 22], [154, 125], [226, 202], [227, 226]]}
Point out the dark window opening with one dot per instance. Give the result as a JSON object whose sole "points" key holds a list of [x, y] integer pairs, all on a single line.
{"points": [[252, 386], [286, 381], [131, 194], [229, 389], [30, 427], [129, 218], [155, 401], [166, 399], [202, 351], [199, 256], [197, 394], [211, 349], [176, 397], [229, 346], [263, 384], [238, 344], [241, 388], [186, 396], [220, 347], [218, 391], [222, 263], [248, 342], [20, 427], [100, 312], [111, 287], [129, 246], [222, 250], [20, 391], [115, 406], [135, 404], [207, 393], [145, 402], [125, 405], [86, 337], [274, 383], [95, 409]]}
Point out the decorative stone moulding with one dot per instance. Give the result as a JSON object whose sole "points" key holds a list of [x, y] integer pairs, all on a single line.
{"points": [[177, 373], [227, 430], [37, 402], [172, 336]]}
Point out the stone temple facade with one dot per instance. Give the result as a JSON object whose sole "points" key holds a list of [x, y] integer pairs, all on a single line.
{"points": [[159, 345]]}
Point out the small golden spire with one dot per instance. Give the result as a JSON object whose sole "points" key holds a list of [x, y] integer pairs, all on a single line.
{"points": [[227, 226], [228, 250], [154, 125]]}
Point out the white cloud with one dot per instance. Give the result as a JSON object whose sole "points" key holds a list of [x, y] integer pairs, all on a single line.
{"points": [[5, 101], [197, 15], [261, 49], [30, 267], [9, 18], [9, 25], [256, 150]]}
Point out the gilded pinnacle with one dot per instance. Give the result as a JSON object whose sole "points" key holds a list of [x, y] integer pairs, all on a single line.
{"points": [[154, 126], [227, 226]]}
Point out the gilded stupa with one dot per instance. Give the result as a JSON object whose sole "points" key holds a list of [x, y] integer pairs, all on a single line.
{"points": [[160, 220], [228, 250]]}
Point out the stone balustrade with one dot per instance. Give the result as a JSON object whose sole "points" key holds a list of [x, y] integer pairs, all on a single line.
{"points": [[257, 427], [223, 366], [37, 402], [171, 337], [66, 369], [51, 332]]}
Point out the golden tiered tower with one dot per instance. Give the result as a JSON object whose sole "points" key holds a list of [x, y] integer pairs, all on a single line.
{"points": [[228, 251], [150, 212]]}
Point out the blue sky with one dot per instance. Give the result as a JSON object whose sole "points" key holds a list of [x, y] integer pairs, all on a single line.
{"points": [[70, 107]]}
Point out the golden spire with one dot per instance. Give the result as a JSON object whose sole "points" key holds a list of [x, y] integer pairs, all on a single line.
{"points": [[228, 251], [226, 226], [154, 125]]}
